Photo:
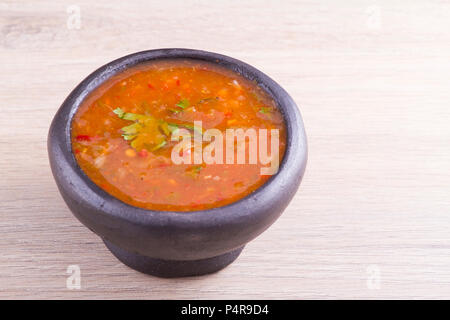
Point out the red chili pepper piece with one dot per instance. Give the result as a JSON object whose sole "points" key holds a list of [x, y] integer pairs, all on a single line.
{"points": [[83, 137], [149, 85], [178, 82]]}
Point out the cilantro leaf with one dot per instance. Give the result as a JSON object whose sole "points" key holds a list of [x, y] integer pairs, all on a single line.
{"points": [[129, 116], [147, 132], [183, 104], [144, 133], [265, 110]]}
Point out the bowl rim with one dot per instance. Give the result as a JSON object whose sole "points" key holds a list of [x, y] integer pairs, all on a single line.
{"points": [[294, 160]]}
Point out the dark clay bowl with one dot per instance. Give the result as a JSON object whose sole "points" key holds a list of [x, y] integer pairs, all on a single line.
{"points": [[175, 244]]}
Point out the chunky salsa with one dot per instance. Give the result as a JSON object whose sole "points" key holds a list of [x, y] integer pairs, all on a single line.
{"points": [[121, 134]]}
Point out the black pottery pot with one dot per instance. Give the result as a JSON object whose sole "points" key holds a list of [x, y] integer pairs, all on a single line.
{"points": [[175, 244]]}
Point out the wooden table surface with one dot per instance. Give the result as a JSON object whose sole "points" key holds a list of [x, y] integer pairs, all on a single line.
{"points": [[372, 80]]}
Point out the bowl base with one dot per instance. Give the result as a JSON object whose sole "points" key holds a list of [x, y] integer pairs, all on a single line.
{"points": [[172, 268]]}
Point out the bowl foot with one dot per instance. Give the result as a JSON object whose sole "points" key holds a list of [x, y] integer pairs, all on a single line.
{"points": [[172, 268]]}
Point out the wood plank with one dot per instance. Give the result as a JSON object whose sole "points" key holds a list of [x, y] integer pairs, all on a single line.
{"points": [[372, 82]]}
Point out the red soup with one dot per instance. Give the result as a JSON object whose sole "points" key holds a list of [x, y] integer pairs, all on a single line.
{"points": [[124, 135]]}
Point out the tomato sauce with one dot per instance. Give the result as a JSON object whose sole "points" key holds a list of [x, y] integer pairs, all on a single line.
{"points": [[120, 134]]}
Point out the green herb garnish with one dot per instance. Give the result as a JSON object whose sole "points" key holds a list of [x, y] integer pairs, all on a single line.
{"points": [[208, 100], [174, 110], [147, 132], [197, 169], [194, 171], [128, 115], [265, 110], [183, 104], [159, 146]]}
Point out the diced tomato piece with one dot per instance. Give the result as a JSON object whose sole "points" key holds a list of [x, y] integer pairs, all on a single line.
{"points": [[143, 153], [150, 86], [163, 164], [178, 82]]}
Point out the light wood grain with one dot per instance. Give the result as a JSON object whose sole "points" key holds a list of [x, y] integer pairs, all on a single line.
{"points": [[375, 97]]}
